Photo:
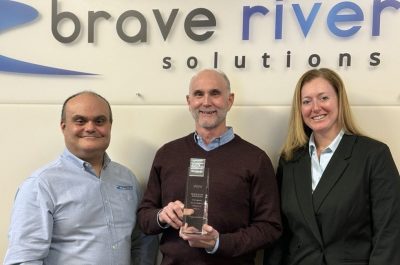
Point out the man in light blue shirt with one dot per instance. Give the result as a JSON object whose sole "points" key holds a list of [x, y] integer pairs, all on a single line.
{"points": [[81, 208]]}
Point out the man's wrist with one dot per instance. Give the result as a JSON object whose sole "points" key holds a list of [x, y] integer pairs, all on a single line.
{"points": [[160, 224], [215, 248]]}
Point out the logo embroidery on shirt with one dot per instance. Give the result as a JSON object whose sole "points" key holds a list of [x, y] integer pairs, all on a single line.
{"points": [[120, 187]]}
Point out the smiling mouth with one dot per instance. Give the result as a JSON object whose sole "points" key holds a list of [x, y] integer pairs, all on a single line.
{"points": [[207, 112], [319, 117]]}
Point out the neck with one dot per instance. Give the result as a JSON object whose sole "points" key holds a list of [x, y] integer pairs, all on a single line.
{"points": [[323, 140], [209, 134]]}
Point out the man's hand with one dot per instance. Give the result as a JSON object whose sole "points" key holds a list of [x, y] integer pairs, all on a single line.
{"points": [[172, 214], [207, 240]]}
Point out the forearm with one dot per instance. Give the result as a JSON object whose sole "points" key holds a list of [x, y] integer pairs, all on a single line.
{"points": [[147, 221], [249, 239]]}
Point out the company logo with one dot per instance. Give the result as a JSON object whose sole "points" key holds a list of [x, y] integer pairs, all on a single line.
{"points": [[14, 14]]}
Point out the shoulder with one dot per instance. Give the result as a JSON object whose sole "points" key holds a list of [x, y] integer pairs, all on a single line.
{"points": [[365, 143], [368, 141], [298, 154], [177, 144], [247, 146], [39, 180], [246, 150], [46, 173]]}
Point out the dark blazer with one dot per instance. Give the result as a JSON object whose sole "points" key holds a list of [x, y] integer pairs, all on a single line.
{"points": [[353, 216]]}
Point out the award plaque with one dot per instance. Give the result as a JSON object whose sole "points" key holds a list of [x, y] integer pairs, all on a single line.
{"points": [[196, 197]]}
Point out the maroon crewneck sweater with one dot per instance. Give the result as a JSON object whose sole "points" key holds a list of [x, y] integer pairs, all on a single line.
{"points": [[243, 202]]}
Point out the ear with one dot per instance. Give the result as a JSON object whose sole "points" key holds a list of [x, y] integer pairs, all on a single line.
{"points": [[231, 99], [188, 101], [62, 125]]}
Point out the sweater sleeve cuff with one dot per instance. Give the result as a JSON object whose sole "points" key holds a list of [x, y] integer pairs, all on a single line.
{"points": [[158, 221]]}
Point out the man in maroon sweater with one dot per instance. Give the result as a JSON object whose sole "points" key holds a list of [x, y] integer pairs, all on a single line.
{"points": [[243, 201]]}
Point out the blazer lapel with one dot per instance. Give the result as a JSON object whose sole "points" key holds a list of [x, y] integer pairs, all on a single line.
{"points": [[302, 181], [336, 166]]}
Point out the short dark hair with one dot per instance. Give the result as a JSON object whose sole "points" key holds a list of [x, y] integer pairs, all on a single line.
{"points": [[80, 93]]}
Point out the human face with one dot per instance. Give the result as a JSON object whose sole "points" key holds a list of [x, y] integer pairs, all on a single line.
{"points": [[320, 107], [209, 101], [87, 127]]}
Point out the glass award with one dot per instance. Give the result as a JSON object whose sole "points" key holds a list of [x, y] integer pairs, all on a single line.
{"points": [[195, 213]]}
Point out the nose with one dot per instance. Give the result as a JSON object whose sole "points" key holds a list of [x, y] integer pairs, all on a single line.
{"points": [[315, 106], [90, 126], [206, 100]]}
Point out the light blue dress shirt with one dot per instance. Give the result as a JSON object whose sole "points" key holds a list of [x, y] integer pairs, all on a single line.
{"points": [[318, 165], [65, 215], [216, 142]]}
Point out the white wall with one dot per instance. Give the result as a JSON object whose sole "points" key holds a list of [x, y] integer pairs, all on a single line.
{"points": [[30, 105]]}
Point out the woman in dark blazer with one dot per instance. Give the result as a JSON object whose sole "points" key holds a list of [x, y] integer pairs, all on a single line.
{"points": [[340, 190]]}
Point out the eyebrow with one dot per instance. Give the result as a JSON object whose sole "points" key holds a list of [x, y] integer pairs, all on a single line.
{"points": [[79, 116], [319, 94], [209, 91]]}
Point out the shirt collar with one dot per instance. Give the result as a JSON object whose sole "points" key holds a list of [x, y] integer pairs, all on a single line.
{"points": [[331, 147], [81, 163], [216, 142]]}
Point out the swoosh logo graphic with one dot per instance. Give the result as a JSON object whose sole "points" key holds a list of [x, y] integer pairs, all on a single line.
{"points": [[13, 14], [16, 66]]}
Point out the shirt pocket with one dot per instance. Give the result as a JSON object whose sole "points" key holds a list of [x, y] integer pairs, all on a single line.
{"points": [[124, 202]]}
